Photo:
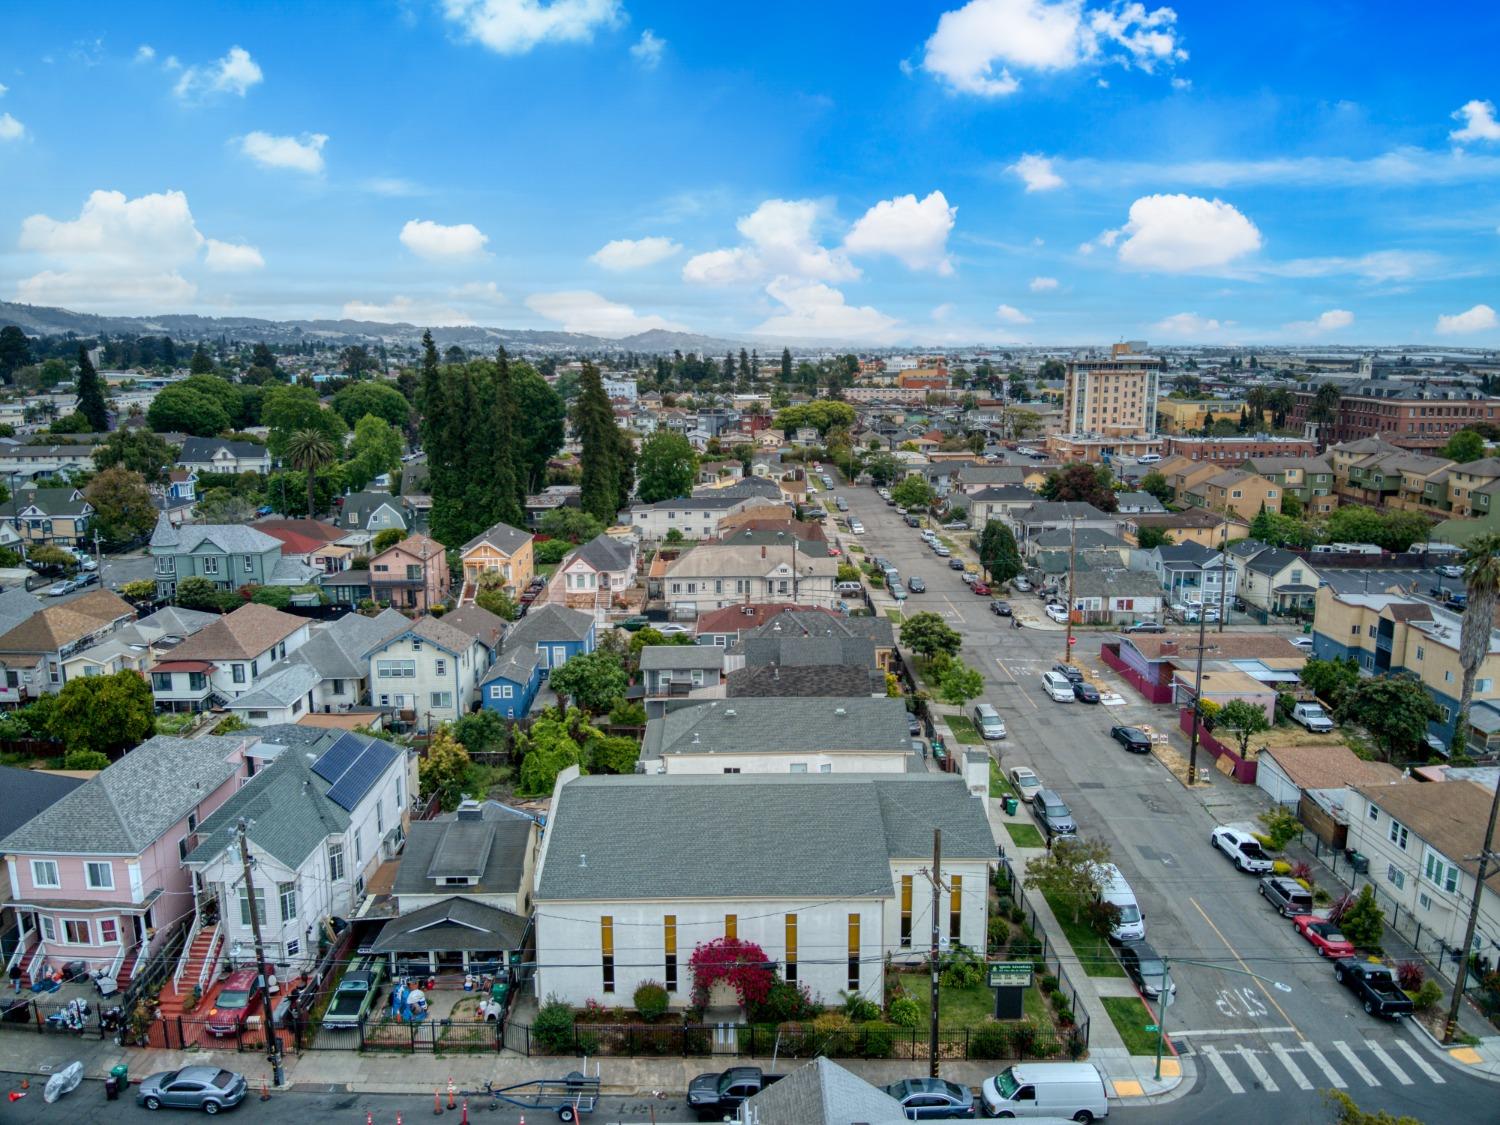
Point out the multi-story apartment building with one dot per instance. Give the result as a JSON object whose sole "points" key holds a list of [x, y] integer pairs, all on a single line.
{"points": [[411, 574], [1237, 491], [1413, 417], [1111, 396], [1376, 473], [1189, 416], [1309, 479], [1232, 450]]}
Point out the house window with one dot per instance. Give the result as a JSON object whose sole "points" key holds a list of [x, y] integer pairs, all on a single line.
{"points": [[441, 698], [109, 930], [1446, 712], [732, 926], [197, 681], [99, 876], [1354, 631], [669, 950], [1440, 872], [210, 564], [238, 672], [379, 816], [1395, 876], [1448, 676], [1374, 812], [248, 562], [853, 974], [254, 714], [1398, 834], [44, 873], [359, 850], [906, 911], [440, 667], [49, 928], [1482, 685], [1421, 653], [76, 931], [607, 950], [507, 691], [956, 908], [293, 948], [260, 906], [1424, 900], [396, 669], [161, 681]]}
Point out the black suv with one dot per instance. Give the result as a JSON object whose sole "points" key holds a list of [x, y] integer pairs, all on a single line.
{"points": [[1072, 674], [1053, 812], [1000, 609]]}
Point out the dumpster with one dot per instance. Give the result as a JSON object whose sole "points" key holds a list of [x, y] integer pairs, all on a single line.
{"points": [[1011, 805]]}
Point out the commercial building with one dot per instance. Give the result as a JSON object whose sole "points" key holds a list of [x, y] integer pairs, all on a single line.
{"points": [[1413, 417], [1111, 396], [1232, 450]]}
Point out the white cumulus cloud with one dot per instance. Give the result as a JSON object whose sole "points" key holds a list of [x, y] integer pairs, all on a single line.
{"points": [[121, 254], [484, 292], [1181, 233], [1189, 324], [1479, 122], [814, 311], [235, 73], [10, 128], [779, 240], [232, 257], [633, 253], [584, 311], [980, 47], [405, 310], [1037, 173], [1481, 318], [913, 232], [513, 27], [301, 154], [145, 53], [1043, 284], [1330, 321], [435, 241], [1012, 315], [647, 50]]}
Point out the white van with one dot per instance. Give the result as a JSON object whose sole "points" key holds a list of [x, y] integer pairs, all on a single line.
{"points": [[1148, 459], [1057, 687], [1113, 889], [1071, 1089]]}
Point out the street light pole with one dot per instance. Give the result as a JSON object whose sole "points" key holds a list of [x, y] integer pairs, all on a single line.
{"points": [[1164, 1000], [1072, 566]]}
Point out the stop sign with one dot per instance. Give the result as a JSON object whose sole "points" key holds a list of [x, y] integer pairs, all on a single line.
{"points": [[1072, 640]]}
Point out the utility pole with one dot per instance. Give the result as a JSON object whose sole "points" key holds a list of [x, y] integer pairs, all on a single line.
{"points": [[935, 877], [278, 1078], [1224, 570], [1450, 1029], [1197, 700], [1072, 571]]}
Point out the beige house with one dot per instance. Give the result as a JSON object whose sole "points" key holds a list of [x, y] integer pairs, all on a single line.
{"points": [[504, 550], [411, 574], [1236, 491]]}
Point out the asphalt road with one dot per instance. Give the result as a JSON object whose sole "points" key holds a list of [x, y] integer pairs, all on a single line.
{"points": [[1197, 907], [114, 573]]}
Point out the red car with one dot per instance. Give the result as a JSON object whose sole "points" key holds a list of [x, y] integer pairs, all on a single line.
{"points": [[1324, 935], [238, 999], [980, 588]]}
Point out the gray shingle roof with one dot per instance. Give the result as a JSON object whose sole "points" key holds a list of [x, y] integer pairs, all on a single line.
{"points": [[810, 622], [778, 726], [477, 622], [15, 607], [551, 622], [493, 848], [823, 1093], [681, 656], [454, 923], [502, 537], [125, 808], [774, 681], [28, 793], [286, 683], [338, 651], [231, 538], [605, 553], [801, 651], [197, 449], [358, 508], [797, 836]]}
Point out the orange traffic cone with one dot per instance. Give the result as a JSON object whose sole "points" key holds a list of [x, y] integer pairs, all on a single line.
{"points": [[25, 1083], [451, 1103], [398, 1117], [265, 1089], [437, 1104], [465, 1119], [16, 1095], [369, 1118]]}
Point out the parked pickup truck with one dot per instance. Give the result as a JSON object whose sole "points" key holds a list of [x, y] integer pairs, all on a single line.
{"points": [[354, 997], [1313, 717], [1375, 985], [715, 1096]]}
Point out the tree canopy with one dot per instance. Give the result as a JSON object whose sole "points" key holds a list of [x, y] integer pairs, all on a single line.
{"points": [[90, 389], [181, 409], [356, 400], [667, 467], [123, 510], [107, 714], [593, 681], [821, 414], [927, 634], [998, 553], [1086, 484], [1464, 446], [138, 450]]}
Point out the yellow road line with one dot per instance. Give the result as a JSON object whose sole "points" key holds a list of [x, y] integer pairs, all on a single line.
{"points": [[1235, 953]]}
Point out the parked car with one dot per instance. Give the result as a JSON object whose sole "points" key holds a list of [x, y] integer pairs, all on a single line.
{"points": [[716, 1096], [898, 591], [58, 589], [848, 587], [1085, 693], [1146, 968], [1027, 784], [1451, 571], [1242, 848], [1144, 627], [981, 589], [673, 629], [1057, 687], [1376, 987], [911, 520], [1304, 643], [916, 585], [87, 578], [206, 1088], [1288, 896], [955, 564], [913, 725], [1053, 812], [1020, 584], [1057, 613], [988, 722], [354, 996], [1000, 609], [856, 528], [1133, 739], [1313, 717], [1324, 936], [941, 551], [932, 1099], [237, 1000], [1068, 672], [1052, 1092]]}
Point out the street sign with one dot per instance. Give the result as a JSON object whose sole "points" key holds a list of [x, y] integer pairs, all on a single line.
{"points": [[1152, 1027], [1072, 640], [1011, 974]]}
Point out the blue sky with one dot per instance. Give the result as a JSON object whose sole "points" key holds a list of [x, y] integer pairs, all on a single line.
{"points": [[1004, 170]]}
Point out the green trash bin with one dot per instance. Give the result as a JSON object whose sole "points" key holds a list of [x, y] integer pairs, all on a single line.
{"points": [[1011, 805], [121, 1074]]}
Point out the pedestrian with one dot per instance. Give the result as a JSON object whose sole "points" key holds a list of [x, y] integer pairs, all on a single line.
{"points": [[15, 975]]}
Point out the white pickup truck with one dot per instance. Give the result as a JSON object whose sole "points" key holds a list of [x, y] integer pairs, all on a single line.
{"points": [[1313, 717]]}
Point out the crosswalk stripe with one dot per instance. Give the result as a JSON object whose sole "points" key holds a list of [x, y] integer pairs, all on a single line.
{"points": [[1389, 1063], [1262, 1075], [1334, 1078], [1422, 1064], [1212, 1055], [1353, 1060], [1284, 1057]]}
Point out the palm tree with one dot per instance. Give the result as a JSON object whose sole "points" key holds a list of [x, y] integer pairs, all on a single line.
{"points": [[309, 451], [1326, 403], [1482, 580]]}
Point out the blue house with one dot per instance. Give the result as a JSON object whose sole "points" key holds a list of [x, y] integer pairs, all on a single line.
{"points": [[546, 638]]}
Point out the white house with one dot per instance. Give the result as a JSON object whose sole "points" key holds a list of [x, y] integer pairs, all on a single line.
{"points": [[228, 659], [430, 671], [328, 808], [337, 653], [694, 517], [220, 455], [826, 874], [594, 575], [715, 575]]}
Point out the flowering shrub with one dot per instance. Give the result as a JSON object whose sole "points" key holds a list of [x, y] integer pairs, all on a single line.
{"points": [[743, 965]]}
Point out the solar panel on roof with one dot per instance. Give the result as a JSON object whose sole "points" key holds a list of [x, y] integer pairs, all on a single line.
{"points": [[361, 774], [337, 759]]}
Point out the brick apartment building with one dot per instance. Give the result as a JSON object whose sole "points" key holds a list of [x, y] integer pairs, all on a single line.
{"points": [[1413, 417], [1232, 450]]}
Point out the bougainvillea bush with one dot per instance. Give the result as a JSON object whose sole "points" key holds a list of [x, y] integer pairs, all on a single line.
{"points": [[742, 965]]}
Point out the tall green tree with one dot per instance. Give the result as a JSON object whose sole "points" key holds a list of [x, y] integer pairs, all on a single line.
{"points": [[380, 399], [90, 388], [1088, 484], [667, 467], [594, 419], [927, 634], [1325, 405], [592, 681], [1156, 484], [1394, 710], [289, 410], [310, 451], [180, 409], [202, 363], [509, 489], [123, 510], [140, 451], [786, 365], [15, 352], [998, 553], [1482, 581]]}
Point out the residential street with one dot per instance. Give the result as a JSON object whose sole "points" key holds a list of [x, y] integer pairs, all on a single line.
{"points": [[1246, 1034]]}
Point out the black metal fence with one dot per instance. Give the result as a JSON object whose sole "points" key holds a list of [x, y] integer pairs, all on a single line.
{"points": [[1047, 961]]}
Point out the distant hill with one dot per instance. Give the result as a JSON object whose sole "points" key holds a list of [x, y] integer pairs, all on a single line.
{"points": [[43, 321]]}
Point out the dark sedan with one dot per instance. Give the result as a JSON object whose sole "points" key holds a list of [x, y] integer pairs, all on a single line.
{"points": [[932, 1099], [916, 585], [1000, 609], [955, 564], [1146, 968], [1072, 674], [1133, 739], [1085, 693]]}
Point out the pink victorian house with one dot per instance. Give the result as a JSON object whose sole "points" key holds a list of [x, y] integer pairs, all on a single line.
{"points": [[412, 574], [98, 876]]}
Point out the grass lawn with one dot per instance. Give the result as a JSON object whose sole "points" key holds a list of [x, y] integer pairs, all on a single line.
{"points": [[1130, 1018], [895, 615], [999, 784], [1025, 835], [924, 673], [1093, 952], [963, 730], [957, 1007], [547, 570]]}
